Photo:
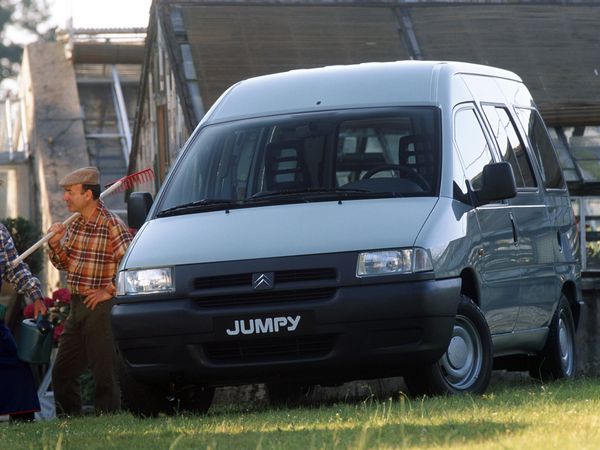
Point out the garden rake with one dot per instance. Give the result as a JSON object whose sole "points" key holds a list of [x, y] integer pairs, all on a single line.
{"points": [[120, 185]]}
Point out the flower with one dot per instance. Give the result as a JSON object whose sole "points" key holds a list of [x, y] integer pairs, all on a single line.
{"points": [[62, 295], [58, 310], [28, 311], [58, 329]]}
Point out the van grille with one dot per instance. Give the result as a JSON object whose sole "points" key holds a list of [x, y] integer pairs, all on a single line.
{"points": [[281, 276], [242, 279], [262, 297], [269, 349]]}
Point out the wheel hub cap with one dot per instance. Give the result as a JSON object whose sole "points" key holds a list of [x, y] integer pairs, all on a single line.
{"points": [[462, 362], [565, 346], [457, 352]]}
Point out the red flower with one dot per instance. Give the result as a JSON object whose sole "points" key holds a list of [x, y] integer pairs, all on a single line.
{"points": [[58, 329], [62, 295], [28, 311], [48, 302]]}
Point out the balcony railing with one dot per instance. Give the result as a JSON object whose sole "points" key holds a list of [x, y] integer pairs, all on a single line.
{"points": [[14, 142]]}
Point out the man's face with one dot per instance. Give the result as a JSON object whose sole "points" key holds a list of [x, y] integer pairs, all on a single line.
{"points": [[77, 199]]}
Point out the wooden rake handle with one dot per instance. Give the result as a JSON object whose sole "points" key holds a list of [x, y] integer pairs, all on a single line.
{"points": [[127, 181]]}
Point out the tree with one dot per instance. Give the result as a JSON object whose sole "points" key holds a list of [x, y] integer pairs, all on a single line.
{"points": [[20, 20]]}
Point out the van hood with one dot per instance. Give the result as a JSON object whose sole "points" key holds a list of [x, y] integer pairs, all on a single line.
{"points": [[281, 230]]}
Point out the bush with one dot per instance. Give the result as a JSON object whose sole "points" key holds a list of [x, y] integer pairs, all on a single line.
{"points": [[25, 234]]}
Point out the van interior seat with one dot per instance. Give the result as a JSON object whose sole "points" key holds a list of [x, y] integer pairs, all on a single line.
{"points": [[285, 166], [415, 151]]}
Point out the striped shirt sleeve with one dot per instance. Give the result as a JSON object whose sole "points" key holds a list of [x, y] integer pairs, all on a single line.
{"points": [[20, 276]]}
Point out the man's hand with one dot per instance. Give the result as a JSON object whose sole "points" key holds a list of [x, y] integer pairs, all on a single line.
{"points": [[59, 231], [95, 296], [39, 307]]}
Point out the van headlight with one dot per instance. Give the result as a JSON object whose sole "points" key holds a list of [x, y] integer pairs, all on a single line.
{"points": [[393, 262], [146, 281]]}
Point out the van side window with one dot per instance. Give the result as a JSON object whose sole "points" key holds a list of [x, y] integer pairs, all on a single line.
{"points": [[472, 146], [542, 147], [510, 145]]}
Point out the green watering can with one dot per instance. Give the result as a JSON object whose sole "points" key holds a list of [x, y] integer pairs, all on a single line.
{"points": [[35, 341]]}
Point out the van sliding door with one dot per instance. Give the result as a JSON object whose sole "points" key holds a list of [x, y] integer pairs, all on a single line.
{"points": [[495, 248], [536, 233]]}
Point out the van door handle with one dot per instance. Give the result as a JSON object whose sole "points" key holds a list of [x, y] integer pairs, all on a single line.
{"points": [[514, 228], [560, 242]]}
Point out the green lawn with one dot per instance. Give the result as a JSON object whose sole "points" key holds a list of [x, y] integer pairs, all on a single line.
{"points": [[523, 415]]}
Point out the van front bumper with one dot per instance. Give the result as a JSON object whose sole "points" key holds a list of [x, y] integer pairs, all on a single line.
{"points": [[360, 331]]}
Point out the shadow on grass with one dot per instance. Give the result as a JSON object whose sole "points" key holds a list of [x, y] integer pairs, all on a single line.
{"points": [[510, 391], [363, 436], [337, 435], [515, 387]]}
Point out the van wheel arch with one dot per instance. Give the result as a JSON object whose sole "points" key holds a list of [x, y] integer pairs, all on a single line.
{"points": [[466, 367], [469, 285], [570, 292]]}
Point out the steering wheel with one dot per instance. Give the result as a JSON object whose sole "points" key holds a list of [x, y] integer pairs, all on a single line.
{"points": [[403, 171]]}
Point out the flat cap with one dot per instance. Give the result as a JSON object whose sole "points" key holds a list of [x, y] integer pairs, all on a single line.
{"points": [[85, 175]]}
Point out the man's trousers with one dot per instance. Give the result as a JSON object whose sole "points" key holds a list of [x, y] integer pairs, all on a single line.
{"points": [[86, 341]]}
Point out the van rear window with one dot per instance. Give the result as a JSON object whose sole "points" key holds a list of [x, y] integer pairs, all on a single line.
{"points": [[360, 153]]}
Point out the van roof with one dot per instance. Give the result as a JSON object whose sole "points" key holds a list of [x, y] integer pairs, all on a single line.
{"points": [[336, 87]]}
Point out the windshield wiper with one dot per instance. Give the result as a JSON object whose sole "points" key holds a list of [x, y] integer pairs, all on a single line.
{"points": [[198, 205], [267, 197], [322, 192]]}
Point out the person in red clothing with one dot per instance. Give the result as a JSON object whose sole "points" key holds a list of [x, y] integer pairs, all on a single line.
{"points": [[89, 250]]}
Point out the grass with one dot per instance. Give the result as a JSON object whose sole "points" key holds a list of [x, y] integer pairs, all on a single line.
{"points": [[561, 415]]}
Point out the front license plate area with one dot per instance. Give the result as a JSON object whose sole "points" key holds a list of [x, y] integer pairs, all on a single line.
{"points": [[257, 326]]}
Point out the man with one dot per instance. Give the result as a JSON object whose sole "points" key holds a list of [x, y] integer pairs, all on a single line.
{"points": [[89, 250], [18, 396]]}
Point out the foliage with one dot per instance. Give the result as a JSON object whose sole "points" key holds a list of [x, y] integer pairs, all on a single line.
{"points": [[25, 234], [22, 17], [593, 253], [522, 414]]}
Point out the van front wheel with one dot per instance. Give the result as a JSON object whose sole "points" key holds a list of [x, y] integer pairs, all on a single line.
{"points": [[466, 367], [140, 399], [288, 394]]}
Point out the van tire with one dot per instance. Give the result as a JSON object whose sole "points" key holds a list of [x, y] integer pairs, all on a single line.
{"points": [[288, 394], [557, 359], [195, 399], [140, 399], [466, 367]]}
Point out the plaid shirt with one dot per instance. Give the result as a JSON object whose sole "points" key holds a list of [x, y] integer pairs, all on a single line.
{"points": [[20, 276], [91, 251]]}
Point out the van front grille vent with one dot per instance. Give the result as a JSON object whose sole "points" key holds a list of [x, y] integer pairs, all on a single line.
{"points": [[281, 276], [263, 297]]}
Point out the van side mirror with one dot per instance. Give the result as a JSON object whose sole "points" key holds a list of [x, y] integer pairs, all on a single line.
{"points": [[498, 183], [138, 205]]}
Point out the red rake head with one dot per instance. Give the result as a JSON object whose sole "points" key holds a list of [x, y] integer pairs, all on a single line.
{"points": [[129, 181]]}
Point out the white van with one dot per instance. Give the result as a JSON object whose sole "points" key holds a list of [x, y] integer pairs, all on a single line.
{"points": [[324, 225]]}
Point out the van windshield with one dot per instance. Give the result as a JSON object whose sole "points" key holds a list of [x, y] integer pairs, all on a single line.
{"points": [[349, 154]]}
